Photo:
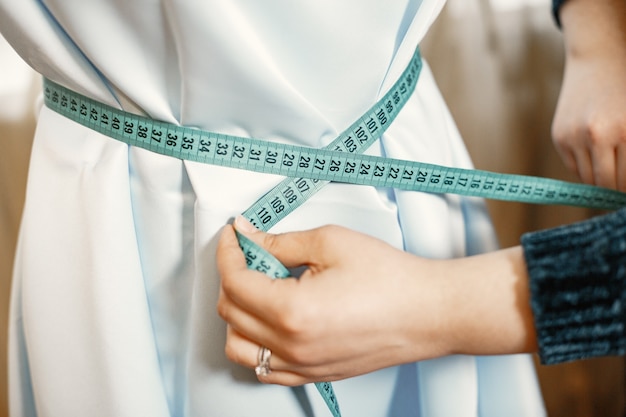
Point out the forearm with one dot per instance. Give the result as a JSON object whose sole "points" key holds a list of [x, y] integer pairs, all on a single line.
{"points": [[490, 304], [593, 27], [562, 294]]}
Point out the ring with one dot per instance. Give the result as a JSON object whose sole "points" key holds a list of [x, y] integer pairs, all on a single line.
{"points": [[263, 368]]}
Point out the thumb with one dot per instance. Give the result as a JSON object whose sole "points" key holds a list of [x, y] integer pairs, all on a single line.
{"points": [[291, 249], [230, 259]]}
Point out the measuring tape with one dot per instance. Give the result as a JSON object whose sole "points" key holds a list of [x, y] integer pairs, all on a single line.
{"points": [[308, 169]]}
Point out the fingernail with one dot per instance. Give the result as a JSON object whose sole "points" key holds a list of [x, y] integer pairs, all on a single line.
{"points": [[244, 225]]}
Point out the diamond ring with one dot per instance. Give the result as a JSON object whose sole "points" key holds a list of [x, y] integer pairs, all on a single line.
{"points": [[263, 368]]}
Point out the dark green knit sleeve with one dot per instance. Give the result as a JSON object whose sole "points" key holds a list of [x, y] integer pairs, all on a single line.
{"points": [[578, 288], [556, 6]]}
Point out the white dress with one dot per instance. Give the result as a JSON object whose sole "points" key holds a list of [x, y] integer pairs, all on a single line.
{"points": [[114, 299]]}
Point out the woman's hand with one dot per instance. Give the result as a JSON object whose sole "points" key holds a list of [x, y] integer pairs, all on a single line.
{"points": [[589, 127], [362, 305], [355, 309]]}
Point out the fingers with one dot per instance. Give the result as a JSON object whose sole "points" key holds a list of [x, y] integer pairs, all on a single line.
{"points": [[243, 321], [230, 259], [247, 302], [253, 303], [589, 125], [292, 249], [604, 172], [237, 280], [241, 288], [246, 353], [596, 162], [243, 351], [567, 157], [584, 167]]}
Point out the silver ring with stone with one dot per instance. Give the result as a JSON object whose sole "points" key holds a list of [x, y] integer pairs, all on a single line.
{"points": [[264, 356]]}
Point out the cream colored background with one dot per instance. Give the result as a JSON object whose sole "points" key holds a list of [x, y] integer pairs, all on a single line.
{"points": [[499, 63]]}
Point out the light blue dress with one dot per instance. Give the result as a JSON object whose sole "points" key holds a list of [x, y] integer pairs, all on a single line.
{"points": [[114, 299]]}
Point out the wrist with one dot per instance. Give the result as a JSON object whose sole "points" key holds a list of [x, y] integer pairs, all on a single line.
{"points": [[490, 305], [428, 327], [592, 28]]}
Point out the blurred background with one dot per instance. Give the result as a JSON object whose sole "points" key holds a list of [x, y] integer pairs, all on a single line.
{"points": [[499, 65]]}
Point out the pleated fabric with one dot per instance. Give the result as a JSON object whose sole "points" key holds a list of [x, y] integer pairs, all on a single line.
{"points": [[114, 299]]}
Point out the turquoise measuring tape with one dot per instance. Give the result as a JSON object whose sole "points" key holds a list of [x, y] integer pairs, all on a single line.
{"points": [[308, 169]]}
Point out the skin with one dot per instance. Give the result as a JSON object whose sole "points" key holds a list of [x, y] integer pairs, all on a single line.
{"points": [[589, 126], [348, 314]]}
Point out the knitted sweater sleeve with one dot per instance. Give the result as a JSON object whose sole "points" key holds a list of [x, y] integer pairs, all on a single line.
{"points": [[578, 288], [556, 6]]}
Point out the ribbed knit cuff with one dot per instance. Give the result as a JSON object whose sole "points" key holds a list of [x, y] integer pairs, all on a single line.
{"points": [[577, 284], [556, 6]]}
